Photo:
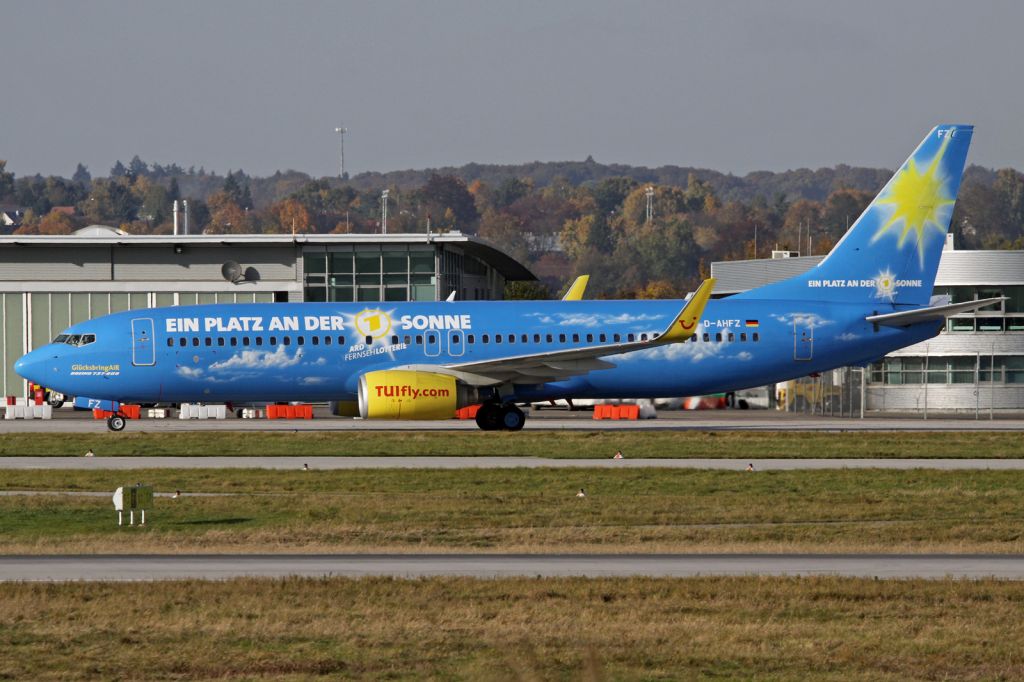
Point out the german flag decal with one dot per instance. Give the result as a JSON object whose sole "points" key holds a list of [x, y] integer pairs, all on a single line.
{"points": [[752, 323]]}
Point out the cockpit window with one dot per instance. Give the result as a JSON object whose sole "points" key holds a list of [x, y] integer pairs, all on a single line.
{"points": [[61, 338]]}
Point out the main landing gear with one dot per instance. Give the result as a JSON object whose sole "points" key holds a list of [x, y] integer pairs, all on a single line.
{"points": [[498, 417], [116, 423]]}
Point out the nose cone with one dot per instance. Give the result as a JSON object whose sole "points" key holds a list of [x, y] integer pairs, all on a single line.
{"points": [[32, 366]]}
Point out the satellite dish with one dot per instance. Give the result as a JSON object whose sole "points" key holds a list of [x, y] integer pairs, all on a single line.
{"points": [[231, 271]]}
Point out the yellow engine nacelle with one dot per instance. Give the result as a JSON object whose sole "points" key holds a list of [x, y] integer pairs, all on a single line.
{"points": [[405, 394]]}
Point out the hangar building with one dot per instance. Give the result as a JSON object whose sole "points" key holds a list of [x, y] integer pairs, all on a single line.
{"points": [[50, 282], [976, 364]]}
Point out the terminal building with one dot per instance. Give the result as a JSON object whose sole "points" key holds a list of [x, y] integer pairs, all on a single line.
{"points": [[975, 365], [48, 283]]}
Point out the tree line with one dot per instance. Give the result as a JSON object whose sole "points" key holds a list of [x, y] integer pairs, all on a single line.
{"points": [[640, 232]]}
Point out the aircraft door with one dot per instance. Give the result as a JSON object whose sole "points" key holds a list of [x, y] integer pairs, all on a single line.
{"points": [[803, 339], [456, 342], [432, 343], [143, 348]]}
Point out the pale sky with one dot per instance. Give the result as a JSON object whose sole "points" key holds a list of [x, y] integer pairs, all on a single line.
{"points": [[732, 86]]}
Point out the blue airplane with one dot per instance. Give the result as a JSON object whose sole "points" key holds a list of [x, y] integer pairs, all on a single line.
{"points": [[871, 295]]}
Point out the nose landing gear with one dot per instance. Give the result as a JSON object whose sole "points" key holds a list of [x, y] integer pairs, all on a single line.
{"points": [[496, 417]]}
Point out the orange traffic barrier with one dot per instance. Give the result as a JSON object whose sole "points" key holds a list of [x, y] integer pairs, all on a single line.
{"points": [[289, 411], [631, 412], [468, 412]]}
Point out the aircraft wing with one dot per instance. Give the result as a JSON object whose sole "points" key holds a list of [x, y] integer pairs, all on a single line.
{"points": [[537, 368], [938, 312]]}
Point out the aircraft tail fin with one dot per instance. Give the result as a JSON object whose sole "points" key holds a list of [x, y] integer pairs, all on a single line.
{"points": [[891, 253]]}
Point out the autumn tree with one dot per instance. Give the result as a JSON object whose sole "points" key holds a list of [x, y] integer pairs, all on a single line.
{"points": [[801, 216], [56, 222], [291, 216], [226, 216], [81, 176], [447, 194], [6, 181]]}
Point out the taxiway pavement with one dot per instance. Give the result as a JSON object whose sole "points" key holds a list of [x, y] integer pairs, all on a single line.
{"points": [[721, 420], [219, 567]]}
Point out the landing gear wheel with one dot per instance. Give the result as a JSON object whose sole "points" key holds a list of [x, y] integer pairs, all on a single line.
{"points": [[512, 418], [55, 399], [488, 417], [115, 423]]}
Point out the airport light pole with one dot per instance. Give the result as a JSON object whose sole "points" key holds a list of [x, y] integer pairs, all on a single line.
{"points": [[649, 193], [341, 130], [384, 211]]}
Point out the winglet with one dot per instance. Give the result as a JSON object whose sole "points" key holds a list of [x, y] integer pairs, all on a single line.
{"points": [[685, 324], [575, 292]]}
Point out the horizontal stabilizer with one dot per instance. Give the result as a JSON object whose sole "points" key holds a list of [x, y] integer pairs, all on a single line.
{"points": [[939, 312]]}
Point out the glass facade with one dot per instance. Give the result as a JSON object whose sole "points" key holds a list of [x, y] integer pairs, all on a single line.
{"points": [[374, 273], [959, 369], [1007, 316]]}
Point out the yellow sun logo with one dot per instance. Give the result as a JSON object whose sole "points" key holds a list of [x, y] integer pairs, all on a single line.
{"points": [[918, 200], [372, 323]]}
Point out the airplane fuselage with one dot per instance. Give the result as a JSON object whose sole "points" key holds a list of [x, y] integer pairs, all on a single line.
{"points": [[317, 351]]}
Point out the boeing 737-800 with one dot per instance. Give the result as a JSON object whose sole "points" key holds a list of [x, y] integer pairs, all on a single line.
{"points": [[871, 295]]}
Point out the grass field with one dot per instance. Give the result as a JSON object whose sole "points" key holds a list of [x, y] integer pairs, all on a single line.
{"points": [[520, 629], [567, 444], [525, 510]]}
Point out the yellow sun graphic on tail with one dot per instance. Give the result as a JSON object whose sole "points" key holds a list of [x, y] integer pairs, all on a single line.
{"points": [[918, 200]]}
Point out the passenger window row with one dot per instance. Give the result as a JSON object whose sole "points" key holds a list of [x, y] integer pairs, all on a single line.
{"points": [[254, 341], [729, 336], [408, 339]]}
